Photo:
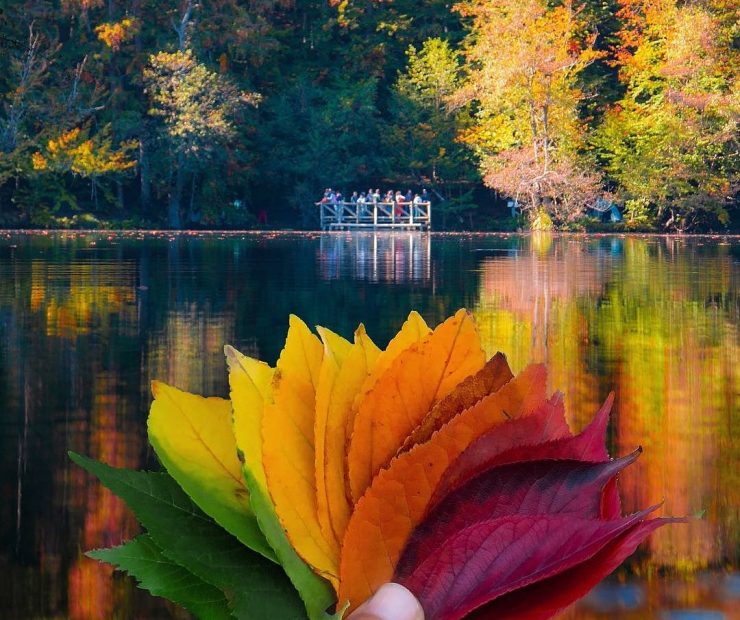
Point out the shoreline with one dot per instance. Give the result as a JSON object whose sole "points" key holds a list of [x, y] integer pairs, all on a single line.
{"points": [[162, 232]]}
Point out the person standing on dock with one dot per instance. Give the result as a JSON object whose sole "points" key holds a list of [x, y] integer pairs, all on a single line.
{"points": [[399, 204], [362, 204], [416, 205]]}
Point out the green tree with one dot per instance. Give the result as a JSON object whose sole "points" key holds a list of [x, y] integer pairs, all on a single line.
{"points": [[197, 107], [315, 136], [422, 137]]}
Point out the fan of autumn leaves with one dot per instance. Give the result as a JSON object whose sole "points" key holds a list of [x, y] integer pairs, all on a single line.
{"points": [[422, 464]]}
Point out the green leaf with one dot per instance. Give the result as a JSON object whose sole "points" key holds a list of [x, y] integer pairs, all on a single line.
{"points": [[256, 588], [143, 559]]}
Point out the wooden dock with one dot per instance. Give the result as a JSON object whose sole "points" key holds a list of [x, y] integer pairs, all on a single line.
{"points": [[375, 216]]}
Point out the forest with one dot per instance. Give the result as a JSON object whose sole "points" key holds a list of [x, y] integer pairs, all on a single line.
{"points": [[238, 114]]}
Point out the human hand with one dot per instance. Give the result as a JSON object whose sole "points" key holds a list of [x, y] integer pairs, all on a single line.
{"points": [[391, 602]]}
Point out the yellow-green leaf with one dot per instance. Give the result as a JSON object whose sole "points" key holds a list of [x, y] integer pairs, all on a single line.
{"points": [[250, 381], [193, 439]]}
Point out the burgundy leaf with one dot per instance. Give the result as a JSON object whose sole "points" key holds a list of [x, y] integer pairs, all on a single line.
{"points": [[526, 488], [589, 445], [490, 558], [544, 599]]}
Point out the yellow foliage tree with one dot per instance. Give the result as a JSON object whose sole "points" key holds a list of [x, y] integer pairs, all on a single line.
{"points": [[88, 157], [524, 59]]}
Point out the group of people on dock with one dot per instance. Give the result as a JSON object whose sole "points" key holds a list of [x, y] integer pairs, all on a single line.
{"points": [[372, 197]]}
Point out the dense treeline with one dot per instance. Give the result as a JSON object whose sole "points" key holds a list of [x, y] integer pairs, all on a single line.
{"points": [[185, 113]]}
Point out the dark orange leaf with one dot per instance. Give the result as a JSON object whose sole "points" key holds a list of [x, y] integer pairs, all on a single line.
{"points": [[399, 496], [489, 379], [418, 378]]}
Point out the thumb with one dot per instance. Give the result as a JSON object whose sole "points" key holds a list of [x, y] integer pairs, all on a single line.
{"points": [[391, 602]]}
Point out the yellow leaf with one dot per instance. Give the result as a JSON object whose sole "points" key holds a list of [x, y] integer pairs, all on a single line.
{"points": [[417, 379], [192, 437], [288, 448], [344, 369]]}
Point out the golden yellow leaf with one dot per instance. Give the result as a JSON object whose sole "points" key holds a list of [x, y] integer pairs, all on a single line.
{"points": [[250, 382], [413, 330], [192, 437], [342, 376], [251, 388], [336, 350], [418, 378], [399, 496], [288, 448]]}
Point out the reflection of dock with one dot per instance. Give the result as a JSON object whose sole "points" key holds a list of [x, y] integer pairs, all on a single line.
{"points": [[377, 257], [376, 215]]}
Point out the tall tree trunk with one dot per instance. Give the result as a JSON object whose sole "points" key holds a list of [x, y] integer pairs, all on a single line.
{"points": [[145, 196], [173, 212], [191, 208]]}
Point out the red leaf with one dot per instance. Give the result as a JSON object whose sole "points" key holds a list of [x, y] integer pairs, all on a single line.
{"points": [[589, 445], [497, 556], [544, 425]]}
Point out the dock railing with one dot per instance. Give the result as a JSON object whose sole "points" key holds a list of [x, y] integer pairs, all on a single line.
{"points": [[375, 215]]}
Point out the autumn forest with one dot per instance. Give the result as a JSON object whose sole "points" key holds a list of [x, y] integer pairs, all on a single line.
{"points": [[228, 114]]}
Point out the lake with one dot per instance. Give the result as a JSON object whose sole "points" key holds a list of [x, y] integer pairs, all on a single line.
{"points": [[87, 320]]}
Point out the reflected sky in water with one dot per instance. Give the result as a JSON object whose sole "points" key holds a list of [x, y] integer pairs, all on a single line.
{"points": [[88, 320]]}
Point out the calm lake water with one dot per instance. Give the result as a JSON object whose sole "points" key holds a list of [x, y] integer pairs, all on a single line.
{"points": [[88, 320]]}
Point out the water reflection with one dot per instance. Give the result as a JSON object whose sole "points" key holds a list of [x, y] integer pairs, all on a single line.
{"points": [[391, 257], [87, 320]]}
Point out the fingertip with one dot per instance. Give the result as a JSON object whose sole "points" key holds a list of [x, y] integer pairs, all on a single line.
{"points": [[391, 602]]}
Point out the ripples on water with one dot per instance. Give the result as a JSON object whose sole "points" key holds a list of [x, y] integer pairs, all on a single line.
{"points": [[87, 320]]}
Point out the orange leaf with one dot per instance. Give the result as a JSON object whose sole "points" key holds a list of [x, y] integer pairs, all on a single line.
{"points": [[288, 448], [489, 379], [412, 331], [399, 496], [417, 379], [344, 369]]}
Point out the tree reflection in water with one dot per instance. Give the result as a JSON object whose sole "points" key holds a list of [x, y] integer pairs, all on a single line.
{"points": [[656, 322]]}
